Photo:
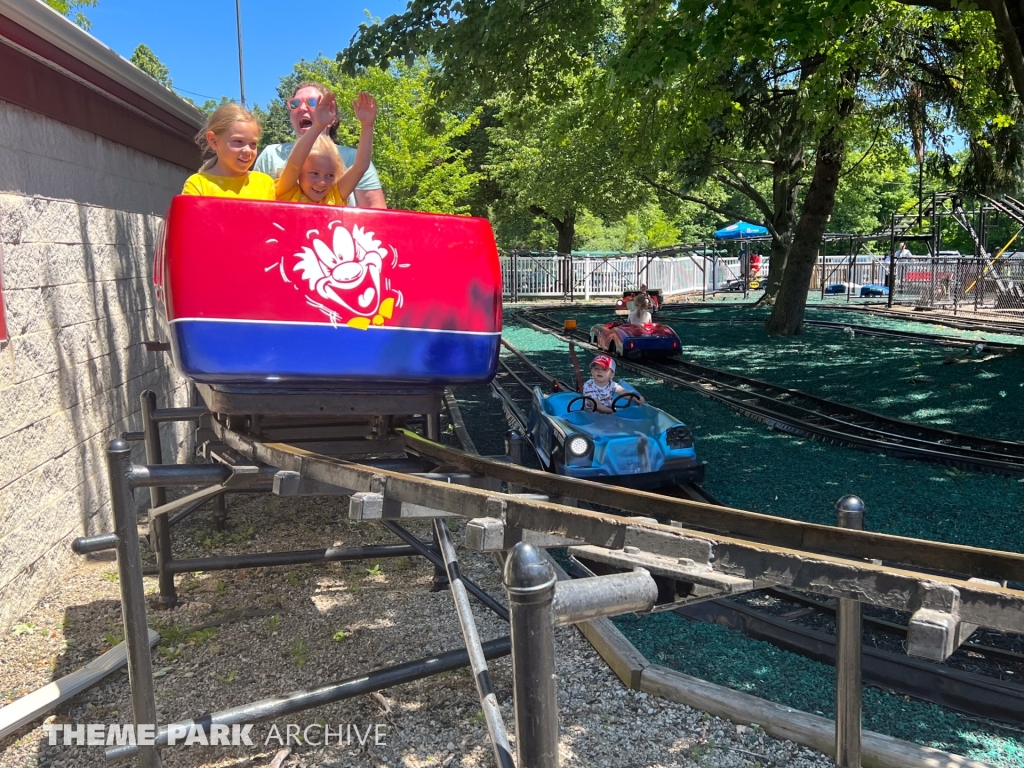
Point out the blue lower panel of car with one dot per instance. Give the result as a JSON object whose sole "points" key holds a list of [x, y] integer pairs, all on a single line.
{"points": [[226, 352], [673, 473]]}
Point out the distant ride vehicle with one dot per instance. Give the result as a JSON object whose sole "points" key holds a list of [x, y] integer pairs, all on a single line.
{"points": [[842, 288], [736, 284], [638, 446], [624, 305], [873, 290], [627, 340]]}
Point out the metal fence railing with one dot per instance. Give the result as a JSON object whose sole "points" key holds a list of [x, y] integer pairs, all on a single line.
{"points": [[960, 283], [542, 275]]}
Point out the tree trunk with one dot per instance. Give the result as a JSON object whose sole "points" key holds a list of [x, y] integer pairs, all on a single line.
{"points": [[566, 228], [784, 189], [787, 316]]}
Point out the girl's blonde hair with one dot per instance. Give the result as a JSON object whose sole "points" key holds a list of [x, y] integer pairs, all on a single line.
{"points": [[222, 118], [324, 147]]}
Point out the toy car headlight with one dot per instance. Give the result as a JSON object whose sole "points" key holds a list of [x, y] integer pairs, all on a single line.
{"points": [[579, 450], [679, 436]]}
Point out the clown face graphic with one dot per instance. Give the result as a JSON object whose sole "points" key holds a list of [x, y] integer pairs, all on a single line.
{"points": [[348, 273]]}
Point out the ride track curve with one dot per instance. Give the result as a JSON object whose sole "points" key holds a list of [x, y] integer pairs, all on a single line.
{"points": [[800, 413]]}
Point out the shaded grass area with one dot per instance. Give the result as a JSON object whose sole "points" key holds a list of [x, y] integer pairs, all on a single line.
{"points": [[752, 467], [946, 387], [731, 659]]}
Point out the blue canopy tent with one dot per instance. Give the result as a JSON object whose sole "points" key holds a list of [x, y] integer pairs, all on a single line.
{"points": [[741, 229]]}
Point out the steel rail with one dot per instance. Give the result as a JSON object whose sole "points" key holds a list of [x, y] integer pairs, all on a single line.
{"points": [[892, 627], [1008, 327], [1001, 456], [800, 555], [968, 692], [866, 330]]}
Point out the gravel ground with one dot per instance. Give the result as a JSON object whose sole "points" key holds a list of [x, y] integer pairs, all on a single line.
{"points": [[330, 622]]}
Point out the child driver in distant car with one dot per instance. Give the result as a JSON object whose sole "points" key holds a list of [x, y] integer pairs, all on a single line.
{"points": [[602, 386]]}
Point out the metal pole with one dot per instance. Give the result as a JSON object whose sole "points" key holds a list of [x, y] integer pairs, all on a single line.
{"points": [[488, 701], [133, 596], [431, 554], [849, 514], [514, 446], [297, 701], [432, 430], [530, 583], [241, 68], [160, 526]]}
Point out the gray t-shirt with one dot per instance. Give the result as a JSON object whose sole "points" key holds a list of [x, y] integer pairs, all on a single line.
{"points": [[273, 159]]}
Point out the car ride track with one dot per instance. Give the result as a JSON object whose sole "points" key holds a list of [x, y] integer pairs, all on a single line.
{"points": [[865, 330], [972, 693], [800, 413]]}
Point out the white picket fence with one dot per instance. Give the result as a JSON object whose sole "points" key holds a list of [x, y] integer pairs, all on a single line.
{"points": [[544, 274]]}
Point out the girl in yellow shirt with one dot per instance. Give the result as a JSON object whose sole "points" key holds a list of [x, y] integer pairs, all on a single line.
{"points": [[231, 133], [315, 172]]}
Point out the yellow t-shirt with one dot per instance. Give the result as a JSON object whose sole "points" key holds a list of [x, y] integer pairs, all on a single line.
{"points": [[253, 186], [296, 195]]}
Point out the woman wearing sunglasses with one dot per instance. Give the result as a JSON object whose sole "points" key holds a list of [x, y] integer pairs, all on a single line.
{"points": [[368, 192]]}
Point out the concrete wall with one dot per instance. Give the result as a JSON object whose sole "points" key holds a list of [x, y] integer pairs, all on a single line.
{"points": [[79, 216]]}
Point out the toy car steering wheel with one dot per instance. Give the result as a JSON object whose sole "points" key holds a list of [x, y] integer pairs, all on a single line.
{"points": [[581, 399], [629, 397]]}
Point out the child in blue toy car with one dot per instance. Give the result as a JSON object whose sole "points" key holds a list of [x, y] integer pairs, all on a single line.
{"points": [[602, 386]]}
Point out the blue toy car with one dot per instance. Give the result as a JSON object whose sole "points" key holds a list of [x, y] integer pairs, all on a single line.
{"points": [[872, 289], [638, 446]]}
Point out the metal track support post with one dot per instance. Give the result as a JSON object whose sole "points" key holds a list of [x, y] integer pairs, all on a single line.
{"points": [[477, 661], [530, 582], [133, 596], [514, 451], [159, 525], [432, 431], [220, 512], [514, 446], [849, 514]]}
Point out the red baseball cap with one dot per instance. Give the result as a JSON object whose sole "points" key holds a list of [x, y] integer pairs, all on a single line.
{"points": [[605, 362]]}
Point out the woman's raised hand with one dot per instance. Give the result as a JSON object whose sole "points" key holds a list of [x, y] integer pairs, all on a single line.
{"points": [[325, 113], [365, 107]]}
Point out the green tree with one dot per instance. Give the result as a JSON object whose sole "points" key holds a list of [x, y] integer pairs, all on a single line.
{"points": [[68, 8], [144, 58], [764, 99], [550, 161]]}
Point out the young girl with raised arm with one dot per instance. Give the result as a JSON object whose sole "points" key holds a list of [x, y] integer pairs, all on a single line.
{"points": [[315, 172], [231, 134]]}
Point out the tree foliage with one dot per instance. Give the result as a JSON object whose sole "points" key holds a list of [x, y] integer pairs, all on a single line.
{"points": [[782, 108], [144, 58], [553, 162], [69, 8]]}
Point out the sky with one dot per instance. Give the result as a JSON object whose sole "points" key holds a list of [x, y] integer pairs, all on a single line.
{"points": [[198, 42]]}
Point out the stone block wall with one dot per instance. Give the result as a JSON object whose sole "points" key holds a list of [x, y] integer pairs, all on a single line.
{"points": [[76, 284]]}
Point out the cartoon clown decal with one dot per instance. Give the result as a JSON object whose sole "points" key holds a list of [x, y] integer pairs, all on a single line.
{"points": [[345, 280]]}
